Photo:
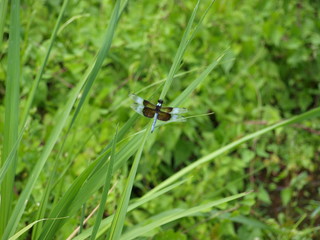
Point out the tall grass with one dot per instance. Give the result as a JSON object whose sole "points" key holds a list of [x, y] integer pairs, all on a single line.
{"points": [[11, 112], [51, 219]]}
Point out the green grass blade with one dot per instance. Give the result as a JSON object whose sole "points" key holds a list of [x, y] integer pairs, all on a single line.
{"points": [[91, 180], [182, 48], [66, 201], [118, 220], [62, 116], [173, 215], [100, 58], [185, 94], [44, 201], [123, 131], [9, 161], [26, 228], [105, 190], [43, 65], [201, 20], [310, 114], [137, 203], [150, 197], [11, 122], [31, 96], [50, 229]]}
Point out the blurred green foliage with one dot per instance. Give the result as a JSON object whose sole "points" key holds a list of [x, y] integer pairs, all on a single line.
{"points": [[274, 75]]}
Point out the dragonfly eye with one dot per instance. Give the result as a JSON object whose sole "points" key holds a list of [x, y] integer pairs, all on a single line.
{"points": [[160, 101]]}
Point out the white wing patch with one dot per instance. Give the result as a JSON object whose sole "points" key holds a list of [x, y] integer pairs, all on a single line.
{"points": [[177, 118], [178, 110], [138, 108], [137, 99]]}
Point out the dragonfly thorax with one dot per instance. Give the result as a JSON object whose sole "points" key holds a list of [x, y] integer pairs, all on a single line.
{"points": [[159, 104]]}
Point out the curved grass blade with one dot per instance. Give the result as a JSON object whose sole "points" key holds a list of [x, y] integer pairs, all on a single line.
{"points": [[86, 184], [105, 189], [9, 161], [172, 215], [106, 222], [119, 218], [185, 94], [26, 228], [312, 113]]}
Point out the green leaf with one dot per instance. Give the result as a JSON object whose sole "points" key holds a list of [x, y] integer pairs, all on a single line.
{"points": [[263, 195], [286, 195]]}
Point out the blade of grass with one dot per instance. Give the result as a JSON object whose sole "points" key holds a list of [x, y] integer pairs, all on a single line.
{"points": [[105, 190], [43, 65], [172, 215], [312, 113], [83, 188], [90, 80], [186, 93], [101, 56], [11, 122], [197, 27], [26, 228], [9, 161], [50, 186], [137, 203], [118, 220], [48, 230], [181, 50], [62, 116], [31, 96]]}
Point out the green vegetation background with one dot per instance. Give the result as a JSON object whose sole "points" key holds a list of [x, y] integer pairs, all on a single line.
{"points": [[274, 74]]}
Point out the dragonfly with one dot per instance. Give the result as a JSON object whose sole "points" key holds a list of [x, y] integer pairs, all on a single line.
{"points": [[157, 112]]}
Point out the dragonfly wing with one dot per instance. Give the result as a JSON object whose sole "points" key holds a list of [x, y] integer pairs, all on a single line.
{"points": [[137, 99], [141, 101], [148, 112], [177, 118], [163, 116], [174, 110], [144, 111], [138, 108]]}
